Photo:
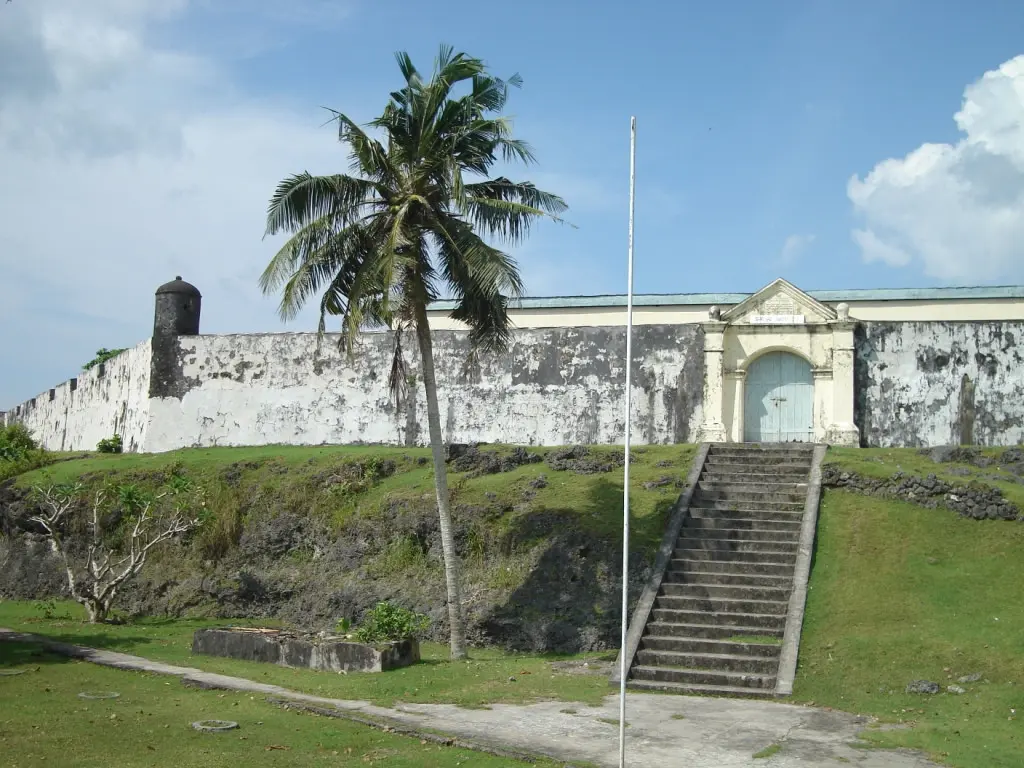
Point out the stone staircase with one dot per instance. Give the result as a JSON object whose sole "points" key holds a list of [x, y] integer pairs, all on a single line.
{"points": [[717, 622]]}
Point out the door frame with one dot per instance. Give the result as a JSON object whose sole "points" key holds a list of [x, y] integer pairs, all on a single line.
{"points": [[779, 317]]}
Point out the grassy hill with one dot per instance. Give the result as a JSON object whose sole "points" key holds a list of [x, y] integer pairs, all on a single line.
{"points": [[311, 535], [899, 591]]}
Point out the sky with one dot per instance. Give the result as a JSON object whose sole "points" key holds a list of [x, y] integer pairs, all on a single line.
{"points": [[836, 144]]}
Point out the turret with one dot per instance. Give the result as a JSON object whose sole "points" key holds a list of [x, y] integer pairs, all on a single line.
{"points": [[177, 309], [176, 314]]}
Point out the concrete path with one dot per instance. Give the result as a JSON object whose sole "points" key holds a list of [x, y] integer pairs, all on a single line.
{"points": [[664, 731]]}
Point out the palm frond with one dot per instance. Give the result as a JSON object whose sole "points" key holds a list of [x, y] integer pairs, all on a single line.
{"points": [[368, 155], [303, 199], [523, 192], [314, 259]]}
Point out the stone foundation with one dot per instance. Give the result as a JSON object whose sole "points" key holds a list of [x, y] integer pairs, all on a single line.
{"points": [[289, 649]]}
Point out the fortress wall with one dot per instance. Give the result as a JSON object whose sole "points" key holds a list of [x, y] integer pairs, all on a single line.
{"points": [[111, 398], [553, 387]]}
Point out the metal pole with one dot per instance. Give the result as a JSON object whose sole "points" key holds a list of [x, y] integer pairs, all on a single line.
{"points": [[625, 480]]}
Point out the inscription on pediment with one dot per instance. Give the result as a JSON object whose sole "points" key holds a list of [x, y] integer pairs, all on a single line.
{"points": [[780, 304], [779, 309]]}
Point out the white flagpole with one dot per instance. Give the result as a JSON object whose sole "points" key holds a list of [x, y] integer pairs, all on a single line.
{"points": [[625, 480]]}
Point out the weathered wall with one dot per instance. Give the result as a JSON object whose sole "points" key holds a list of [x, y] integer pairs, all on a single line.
{"points": [[554, 386], [941, 383], [112, 398]]}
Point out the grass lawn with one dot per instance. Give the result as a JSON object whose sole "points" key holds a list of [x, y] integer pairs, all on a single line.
{"points": [[43, 722], [901, 593], [482, 680]]}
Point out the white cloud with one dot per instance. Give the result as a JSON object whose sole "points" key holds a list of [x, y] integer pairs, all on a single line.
{"points": [[873, 249], [955, 210], [794, 247], [127, 160], [124, 164]]}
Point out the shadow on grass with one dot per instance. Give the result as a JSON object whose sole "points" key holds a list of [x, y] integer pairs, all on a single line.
{"points": [[100, 641], [571, 601], [15, 653]]}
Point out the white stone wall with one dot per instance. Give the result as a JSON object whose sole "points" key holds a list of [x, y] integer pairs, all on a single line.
{"points": [[558, 386], [107, 400], [554, 386], [910, 383]]}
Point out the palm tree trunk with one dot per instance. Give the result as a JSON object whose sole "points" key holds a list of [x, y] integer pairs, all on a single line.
{"points": [[451, 560]]}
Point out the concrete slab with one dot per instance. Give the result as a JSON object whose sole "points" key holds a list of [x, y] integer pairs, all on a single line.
{"points": [[664, 731]]}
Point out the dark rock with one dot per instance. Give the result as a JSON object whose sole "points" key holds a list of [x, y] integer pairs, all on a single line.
{"points": [[923, 686], [456, 450], [540, 481], [1012, 456], [659, 483], [476, 462], [974, 500], [582, 461]]}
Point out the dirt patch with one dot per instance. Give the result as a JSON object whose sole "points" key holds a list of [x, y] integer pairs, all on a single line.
{"points": [[599, 668]]}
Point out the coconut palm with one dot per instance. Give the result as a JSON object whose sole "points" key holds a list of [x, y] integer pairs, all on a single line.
{"points": [[379, 245]]}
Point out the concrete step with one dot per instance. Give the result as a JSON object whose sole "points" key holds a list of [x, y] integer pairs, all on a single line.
{"points": [[732, 505], [700, 690], [722, 605], [802, 449], [755, 485], [713, 475], [728, 579], [750, 534], [704, 677], [742, 524], [702, 630], [732, 466], [732, 566], [688, 541], [731, 591], [700, 645], [738, 493], [787, 559], [763, 459], [732, 619], [718, 662]]}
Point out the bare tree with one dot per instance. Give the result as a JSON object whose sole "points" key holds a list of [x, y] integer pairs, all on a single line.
{"points": [[95, 582]]}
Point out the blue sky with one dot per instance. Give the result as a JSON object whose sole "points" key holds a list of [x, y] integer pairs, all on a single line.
{"points": [[840, 145]]}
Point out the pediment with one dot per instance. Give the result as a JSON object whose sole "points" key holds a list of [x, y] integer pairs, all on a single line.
{"points": [[779, 303]]}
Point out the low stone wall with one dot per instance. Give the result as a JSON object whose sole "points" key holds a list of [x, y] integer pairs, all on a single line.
{"points": [[974, 500], [289, 650]]}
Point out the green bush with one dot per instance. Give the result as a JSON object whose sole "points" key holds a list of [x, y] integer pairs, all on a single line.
{"points": [[19, 452], [110, 445], [386, 622], [102, 355], [15, 441]]}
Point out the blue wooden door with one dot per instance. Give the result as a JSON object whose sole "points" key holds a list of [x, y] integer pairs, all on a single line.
{"points": [[779, 402]]}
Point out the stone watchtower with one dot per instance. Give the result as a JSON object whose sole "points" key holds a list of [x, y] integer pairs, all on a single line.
{"points": [[176, 314]]}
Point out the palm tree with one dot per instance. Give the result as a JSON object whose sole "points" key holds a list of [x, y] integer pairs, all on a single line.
{"points": [[377, 246]]}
